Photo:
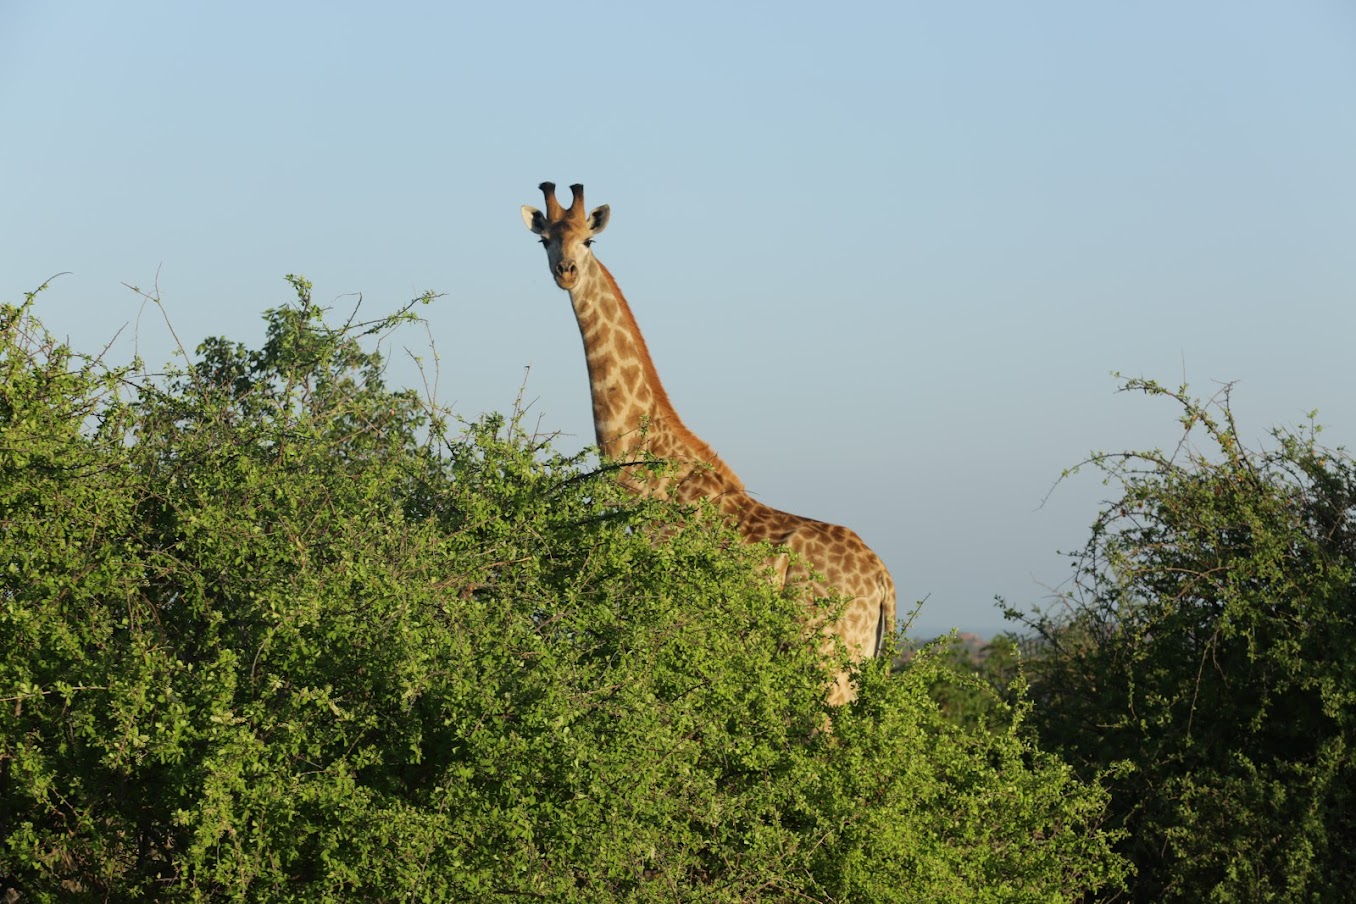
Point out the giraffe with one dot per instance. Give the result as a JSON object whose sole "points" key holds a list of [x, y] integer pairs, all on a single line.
{"points": [[632, 415]]}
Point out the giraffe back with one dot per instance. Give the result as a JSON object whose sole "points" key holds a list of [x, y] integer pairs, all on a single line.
{"points": [[835, 562]]}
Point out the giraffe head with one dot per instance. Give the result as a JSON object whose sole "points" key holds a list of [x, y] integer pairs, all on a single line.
{"points": [[566, 232]]}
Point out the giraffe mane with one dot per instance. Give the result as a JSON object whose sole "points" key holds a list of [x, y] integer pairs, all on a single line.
{"points": [[696, 443]]}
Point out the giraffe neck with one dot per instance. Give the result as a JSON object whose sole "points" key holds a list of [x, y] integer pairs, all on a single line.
{"points": [[631, 410]]}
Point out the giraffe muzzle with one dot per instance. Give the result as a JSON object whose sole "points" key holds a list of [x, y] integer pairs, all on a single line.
{"points": [[566, 273]]}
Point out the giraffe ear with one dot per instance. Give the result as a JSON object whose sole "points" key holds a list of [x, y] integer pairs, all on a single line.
{"points": [[598, 219], [534, 219]]}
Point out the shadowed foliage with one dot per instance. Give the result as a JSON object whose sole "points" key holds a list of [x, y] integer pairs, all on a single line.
{"points": [[1204, 662]]}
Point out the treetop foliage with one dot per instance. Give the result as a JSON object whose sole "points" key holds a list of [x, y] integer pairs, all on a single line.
{"points": [[275, 631]]}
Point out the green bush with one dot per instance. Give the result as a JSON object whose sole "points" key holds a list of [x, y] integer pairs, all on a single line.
{"points": [[274, 632], [980, 681], [1206, 663]]}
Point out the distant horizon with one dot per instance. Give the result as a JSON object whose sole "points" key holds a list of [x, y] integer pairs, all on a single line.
{"points": [[986, 633]]}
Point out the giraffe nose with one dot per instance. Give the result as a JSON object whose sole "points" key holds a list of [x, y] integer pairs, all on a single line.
{"points": [[565, 269]]}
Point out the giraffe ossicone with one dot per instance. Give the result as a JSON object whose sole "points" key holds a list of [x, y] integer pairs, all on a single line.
{"points": [[632, 415]]}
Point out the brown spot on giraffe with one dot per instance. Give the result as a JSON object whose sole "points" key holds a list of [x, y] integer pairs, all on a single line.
{"points": [[632, 415], [631, 377]]}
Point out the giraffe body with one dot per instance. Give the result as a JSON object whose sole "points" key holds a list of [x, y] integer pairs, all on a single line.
{"points": [[632, 415]]}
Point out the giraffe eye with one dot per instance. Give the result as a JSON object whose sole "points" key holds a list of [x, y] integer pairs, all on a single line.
{"points": [[588, 243], [544, 241]]}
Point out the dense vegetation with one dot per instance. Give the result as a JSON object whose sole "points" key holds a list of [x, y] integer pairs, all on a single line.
{"points": [[273, 631], [1205, 664]]}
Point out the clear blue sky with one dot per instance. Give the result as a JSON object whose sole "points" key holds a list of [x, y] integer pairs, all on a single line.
{"points": [[886, 255]]}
